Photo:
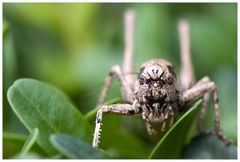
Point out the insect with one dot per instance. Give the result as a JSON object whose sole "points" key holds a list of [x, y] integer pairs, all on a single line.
{"points": [[157, 93]]}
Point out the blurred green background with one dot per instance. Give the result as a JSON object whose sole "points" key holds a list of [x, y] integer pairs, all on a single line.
{"points": [[73, 46]]}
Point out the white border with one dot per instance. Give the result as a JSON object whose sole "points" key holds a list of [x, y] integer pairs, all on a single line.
{"points": [[110, 1]]}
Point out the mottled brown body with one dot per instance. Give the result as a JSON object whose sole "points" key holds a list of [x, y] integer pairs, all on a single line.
{"points": [[157, 93]]}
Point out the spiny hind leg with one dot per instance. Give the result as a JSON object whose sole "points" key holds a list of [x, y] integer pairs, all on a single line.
{"points": [[119, 109]]}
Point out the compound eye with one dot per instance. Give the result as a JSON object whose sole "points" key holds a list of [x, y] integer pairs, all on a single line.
{"points": [[142, 79], [169, 78]]}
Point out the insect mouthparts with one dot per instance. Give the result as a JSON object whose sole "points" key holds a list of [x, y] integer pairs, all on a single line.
{"points": [[155, 84]]}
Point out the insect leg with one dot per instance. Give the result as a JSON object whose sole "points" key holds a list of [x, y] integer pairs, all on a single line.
{"points": [[129, 24], [202, 113], [186, 74], [203, 80], [145, 115], [199, 90], [126, 91], [120, 109], [148, 125], [204, 105]]}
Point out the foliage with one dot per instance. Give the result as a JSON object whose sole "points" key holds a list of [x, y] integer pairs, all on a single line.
{"points": [[38, 105], [75, 148], [208, 147], [45, 111], [73, 46]]}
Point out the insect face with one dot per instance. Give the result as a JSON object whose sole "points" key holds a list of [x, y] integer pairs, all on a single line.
{"points": [[156, 84], [154, 71]]}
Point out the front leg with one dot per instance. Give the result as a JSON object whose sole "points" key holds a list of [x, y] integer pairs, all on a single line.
{"points": [[119, 109], [145, 115], [148, 125], [199, 90]]}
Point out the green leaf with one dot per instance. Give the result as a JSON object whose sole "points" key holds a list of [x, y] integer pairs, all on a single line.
{"points": [[209, 147], [40, 105], [29, 142], [120, 140], [12, 144], [171, 143], [74, 148], [29, 155]]}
